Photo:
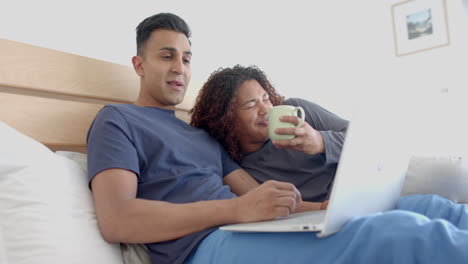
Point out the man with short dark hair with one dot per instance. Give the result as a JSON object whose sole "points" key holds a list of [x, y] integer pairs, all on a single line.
{"points": [[156, 179]]}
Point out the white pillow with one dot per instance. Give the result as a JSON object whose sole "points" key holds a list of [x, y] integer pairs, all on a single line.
{"points": [[46, 209], [77, 157], [131, 253], [443, 175]]}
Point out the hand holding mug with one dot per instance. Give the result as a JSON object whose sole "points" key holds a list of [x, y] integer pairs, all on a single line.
{"points": [[274, 121], [288, 131]]}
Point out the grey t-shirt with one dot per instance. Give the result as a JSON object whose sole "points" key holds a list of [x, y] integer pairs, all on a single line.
{"points": [[311, 174]]}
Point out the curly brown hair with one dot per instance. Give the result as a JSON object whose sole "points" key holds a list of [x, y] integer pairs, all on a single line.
{"points": [[214, 110]]}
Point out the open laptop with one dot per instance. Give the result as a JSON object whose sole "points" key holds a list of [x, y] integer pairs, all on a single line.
{"points": [[369, 179]]}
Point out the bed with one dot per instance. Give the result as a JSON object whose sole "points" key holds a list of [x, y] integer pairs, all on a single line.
{"points": [[48, 99]]}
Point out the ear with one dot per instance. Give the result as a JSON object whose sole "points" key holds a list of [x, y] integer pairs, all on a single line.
{"points": [[138, 66]]}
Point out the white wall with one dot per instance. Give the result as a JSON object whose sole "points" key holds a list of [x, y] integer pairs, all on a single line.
{"points": [[435, 88], [337, 53], [318, 50]]}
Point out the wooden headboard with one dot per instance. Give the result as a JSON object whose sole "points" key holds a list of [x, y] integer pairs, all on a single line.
{"points": [[53, 96]]}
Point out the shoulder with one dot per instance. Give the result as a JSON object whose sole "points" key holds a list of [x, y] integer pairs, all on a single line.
{"points": [[301, 102], [120, 108], [311, 109], [113, 109], [121, 111], [113, 115]]}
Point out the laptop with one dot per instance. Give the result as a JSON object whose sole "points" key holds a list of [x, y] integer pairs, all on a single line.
{"points": [[369, 179]]}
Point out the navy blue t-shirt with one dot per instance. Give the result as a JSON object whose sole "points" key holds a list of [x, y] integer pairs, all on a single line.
{"points": [[174, 162]]}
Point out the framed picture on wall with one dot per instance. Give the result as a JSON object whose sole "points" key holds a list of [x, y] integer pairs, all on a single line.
{"points": [[419, 25]]}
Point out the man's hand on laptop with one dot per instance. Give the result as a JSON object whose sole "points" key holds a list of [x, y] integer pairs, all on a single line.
{"points": [[269, 200]]}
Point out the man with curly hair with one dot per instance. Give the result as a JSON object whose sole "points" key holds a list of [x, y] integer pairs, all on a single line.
{"points": [[233, 107]]}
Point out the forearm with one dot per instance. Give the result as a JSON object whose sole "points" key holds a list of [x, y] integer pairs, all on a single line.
{"points": [[124, 218], [333, 145], [308, 206], [144, 221], [240, 182]]}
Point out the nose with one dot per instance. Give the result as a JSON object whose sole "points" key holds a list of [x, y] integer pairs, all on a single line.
{"points": [[178, 66], [263, 108]]}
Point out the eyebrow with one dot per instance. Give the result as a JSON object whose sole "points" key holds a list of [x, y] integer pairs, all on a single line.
{"points": [[171, 49]]}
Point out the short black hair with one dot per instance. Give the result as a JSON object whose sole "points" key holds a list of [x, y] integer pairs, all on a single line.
{"points": [[166, 21]]}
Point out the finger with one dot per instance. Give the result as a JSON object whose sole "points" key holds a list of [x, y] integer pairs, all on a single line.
{"points": [[296, 131], [287, 143], [324, 205], [283, 185], [286, 194], [288, 202], [286, 131], [298, 196], [290, 119], [288, 189], [282, 211]]}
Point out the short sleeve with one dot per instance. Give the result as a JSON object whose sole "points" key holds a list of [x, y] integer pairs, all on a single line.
{"points": [[229, 165], [110, 144]]}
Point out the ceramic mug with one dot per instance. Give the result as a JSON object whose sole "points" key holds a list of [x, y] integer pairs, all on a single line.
{"points": [[274, 122]]}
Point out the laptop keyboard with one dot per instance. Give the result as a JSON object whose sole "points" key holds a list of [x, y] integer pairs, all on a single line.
{"points": [[306, 218]]}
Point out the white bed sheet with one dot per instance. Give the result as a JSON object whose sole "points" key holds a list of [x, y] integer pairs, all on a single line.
{"points": [[47, 214]]}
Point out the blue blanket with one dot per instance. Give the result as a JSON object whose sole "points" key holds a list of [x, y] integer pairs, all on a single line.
{"points": [[423, 229]]}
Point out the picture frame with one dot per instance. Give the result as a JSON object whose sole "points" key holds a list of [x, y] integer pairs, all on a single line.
{"points": [[419, 25]]}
